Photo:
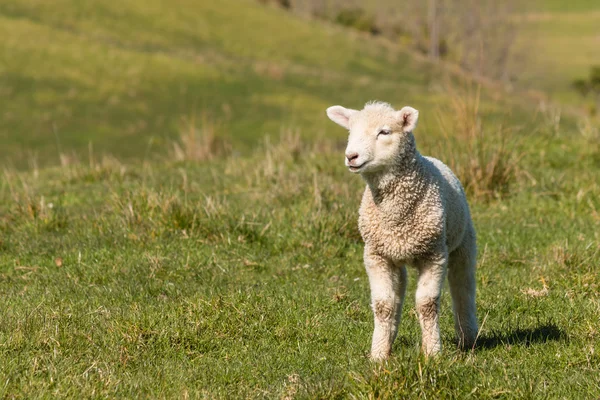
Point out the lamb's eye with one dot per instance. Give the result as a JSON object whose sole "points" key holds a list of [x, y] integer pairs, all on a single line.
{"points": [[384, 132]]}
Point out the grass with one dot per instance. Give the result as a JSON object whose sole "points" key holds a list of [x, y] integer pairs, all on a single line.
{"points": [[242, 277], [489, 159], [123, 78], [200, 141], [186, 227]]}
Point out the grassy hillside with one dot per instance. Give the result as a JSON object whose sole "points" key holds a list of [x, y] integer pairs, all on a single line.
{"points": [[556, 41], [126, 77], [238, 273], [126, 80]]}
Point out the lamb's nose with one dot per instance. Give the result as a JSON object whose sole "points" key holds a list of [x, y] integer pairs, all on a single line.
{"points": [[351, 156]]}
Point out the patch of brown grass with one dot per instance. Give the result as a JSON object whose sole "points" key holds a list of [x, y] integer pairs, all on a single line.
{"points": [[200, 141], [485, 160]]}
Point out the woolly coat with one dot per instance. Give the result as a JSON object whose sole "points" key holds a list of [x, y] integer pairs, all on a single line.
{"points": [[416, 210]]}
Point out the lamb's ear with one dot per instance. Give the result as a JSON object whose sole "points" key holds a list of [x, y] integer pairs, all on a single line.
{"points": [[340, 115], [408, 116]]}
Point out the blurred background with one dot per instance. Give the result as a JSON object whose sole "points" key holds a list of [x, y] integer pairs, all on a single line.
{"points": [[142, 78]]}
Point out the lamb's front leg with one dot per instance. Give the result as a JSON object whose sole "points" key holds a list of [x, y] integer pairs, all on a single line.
{"points": [[388, 287], [432, 272]]}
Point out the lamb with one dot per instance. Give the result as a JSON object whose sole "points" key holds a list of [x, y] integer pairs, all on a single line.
{"points": [[413, 212]]}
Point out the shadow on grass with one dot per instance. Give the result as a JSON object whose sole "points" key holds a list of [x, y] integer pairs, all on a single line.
{"points": [[522, 337]]}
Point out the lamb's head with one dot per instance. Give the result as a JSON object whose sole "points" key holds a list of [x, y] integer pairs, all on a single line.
{"points": [[380, 136]]}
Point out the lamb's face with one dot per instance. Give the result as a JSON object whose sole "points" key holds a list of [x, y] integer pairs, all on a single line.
{"points": [[379, 135]]}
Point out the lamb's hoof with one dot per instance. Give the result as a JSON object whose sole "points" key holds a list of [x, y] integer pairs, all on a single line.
{"points": [[466, 345], [431, 351], [379, 356], [467, 342]]}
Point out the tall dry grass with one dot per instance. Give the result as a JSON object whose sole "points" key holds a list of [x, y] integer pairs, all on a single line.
{"points": [[200, 140], [486, 159]]}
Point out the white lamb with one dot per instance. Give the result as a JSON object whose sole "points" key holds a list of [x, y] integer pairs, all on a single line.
{"points": [[413, 211]]}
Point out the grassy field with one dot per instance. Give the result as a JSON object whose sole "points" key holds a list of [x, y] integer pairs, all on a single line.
{"points": [[131, 270], [243, 278]]}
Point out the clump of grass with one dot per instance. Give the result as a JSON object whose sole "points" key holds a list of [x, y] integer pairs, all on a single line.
{"points": [[289, 167], [288, 148], [551, 118], [358, 19], [31, 208], [97, 168], [107, 168], [68, 159], [579, 255], [200, 142], [273, 168], [147, 214], [589, 130], [485, 160]]}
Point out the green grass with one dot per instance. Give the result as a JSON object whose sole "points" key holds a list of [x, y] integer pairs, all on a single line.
{"points": [[244, 278], [123, 78], [127, 274]]}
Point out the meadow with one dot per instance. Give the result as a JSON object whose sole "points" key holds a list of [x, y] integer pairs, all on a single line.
{"points": [[176, 220]]}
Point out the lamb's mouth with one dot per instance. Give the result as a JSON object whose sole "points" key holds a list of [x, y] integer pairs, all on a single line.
{"points": [[357, 168]]}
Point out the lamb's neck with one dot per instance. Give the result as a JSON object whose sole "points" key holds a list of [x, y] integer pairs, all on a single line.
{"points": [[401, 187]]}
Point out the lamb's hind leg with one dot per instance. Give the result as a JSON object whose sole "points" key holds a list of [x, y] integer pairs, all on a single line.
{"points": [[461, 276], [388, 287]]}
